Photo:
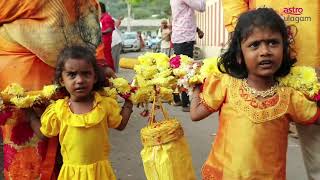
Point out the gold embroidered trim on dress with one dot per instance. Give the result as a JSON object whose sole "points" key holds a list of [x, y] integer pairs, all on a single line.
{"points": [[256, 113], [203, 102]]}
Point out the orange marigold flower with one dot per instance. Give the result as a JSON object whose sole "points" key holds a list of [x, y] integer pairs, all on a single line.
{"points": [[25, 165], [9, 153], [21, 133]]}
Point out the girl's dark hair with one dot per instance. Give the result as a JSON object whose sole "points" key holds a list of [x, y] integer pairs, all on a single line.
{"points": [[103, 7], [259, 18], [80, 53]]}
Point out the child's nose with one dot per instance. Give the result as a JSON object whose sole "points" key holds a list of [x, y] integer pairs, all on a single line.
{"points": [[264, 49], [79, 79]]}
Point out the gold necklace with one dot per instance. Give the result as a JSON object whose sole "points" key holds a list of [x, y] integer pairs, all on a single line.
{"points": [[255, 93]]}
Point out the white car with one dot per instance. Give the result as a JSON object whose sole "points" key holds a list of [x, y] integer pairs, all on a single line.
{"points": [[131, 42]]}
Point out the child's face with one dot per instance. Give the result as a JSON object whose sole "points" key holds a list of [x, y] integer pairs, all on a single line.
{"points": [[164, 25], [78, 77], [262, 52]]}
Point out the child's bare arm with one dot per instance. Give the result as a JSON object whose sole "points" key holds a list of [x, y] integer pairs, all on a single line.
{"points": [[35, 123], [125, 113], [197, 110]]}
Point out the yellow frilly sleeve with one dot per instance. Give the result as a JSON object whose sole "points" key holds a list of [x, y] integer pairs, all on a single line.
{"points": [[113, 116], [214, 91], [50, 124], [231, 11], [301, 109]]}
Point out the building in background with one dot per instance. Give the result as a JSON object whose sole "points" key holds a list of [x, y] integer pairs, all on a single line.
{"points": [[142, 25], [211, 23]]}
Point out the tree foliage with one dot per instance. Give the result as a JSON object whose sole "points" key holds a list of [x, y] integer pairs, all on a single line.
{"points": [[141, 9]]}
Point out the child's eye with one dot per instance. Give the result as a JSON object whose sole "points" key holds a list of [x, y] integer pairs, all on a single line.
{"points": [[71, 75], [254, 44], [273, 42], [87, 74]]}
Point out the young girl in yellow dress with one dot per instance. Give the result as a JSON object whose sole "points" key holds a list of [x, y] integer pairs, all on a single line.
{"points": [[254, 112], [83, 118]]}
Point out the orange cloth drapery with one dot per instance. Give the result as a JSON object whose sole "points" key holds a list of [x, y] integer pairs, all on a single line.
{"points": [[32, 33]]}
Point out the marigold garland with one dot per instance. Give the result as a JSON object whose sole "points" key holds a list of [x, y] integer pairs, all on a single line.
{"points": [[304, 79], [15, 95]]}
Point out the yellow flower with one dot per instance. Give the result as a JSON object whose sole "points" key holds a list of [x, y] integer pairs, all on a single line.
{"points": [[146, 59], [141, 81], [303, 79], [196, 79], [185, 60], [179, 72], [164, 73], [162, 61], [142, 95], [309, 75], [146, 71], [161, 81], [209, 67], [14, 89], [166, 94], [49, 90], [121, 84], [149, 72], [24, 102], [109, 92]]}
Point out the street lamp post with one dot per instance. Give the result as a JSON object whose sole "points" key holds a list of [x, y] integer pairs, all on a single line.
{"points": [[129, 16]]}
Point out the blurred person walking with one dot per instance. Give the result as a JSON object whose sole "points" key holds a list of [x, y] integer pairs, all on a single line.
{"points": [[165, 35], [107, 27], [116, 44]]}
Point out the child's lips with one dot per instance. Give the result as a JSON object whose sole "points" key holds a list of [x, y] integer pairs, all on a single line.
{"points": [[80, 89], [266, 64]]}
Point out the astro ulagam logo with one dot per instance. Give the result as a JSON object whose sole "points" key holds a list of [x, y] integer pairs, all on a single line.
{"points": [[294, 14]]}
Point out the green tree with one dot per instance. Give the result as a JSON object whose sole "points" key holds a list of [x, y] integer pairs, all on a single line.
{"points": [[140, 9]]}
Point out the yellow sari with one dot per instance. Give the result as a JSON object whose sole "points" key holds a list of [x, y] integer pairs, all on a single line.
{"points": [[32, 32]]}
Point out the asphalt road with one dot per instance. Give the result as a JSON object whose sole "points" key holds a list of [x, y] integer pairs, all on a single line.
{"points": [[126, 146]]}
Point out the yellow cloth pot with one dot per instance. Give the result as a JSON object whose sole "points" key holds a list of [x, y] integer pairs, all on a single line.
{"points": [[128, 63], [166, 154]]}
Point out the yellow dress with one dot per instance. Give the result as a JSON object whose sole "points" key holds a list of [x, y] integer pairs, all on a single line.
{"points": [[251, 141], [83, 137]]}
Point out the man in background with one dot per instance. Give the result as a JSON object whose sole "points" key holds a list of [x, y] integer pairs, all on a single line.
{"points": [[184, 31], [116, 44], [165, 35], [107, 26]]}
